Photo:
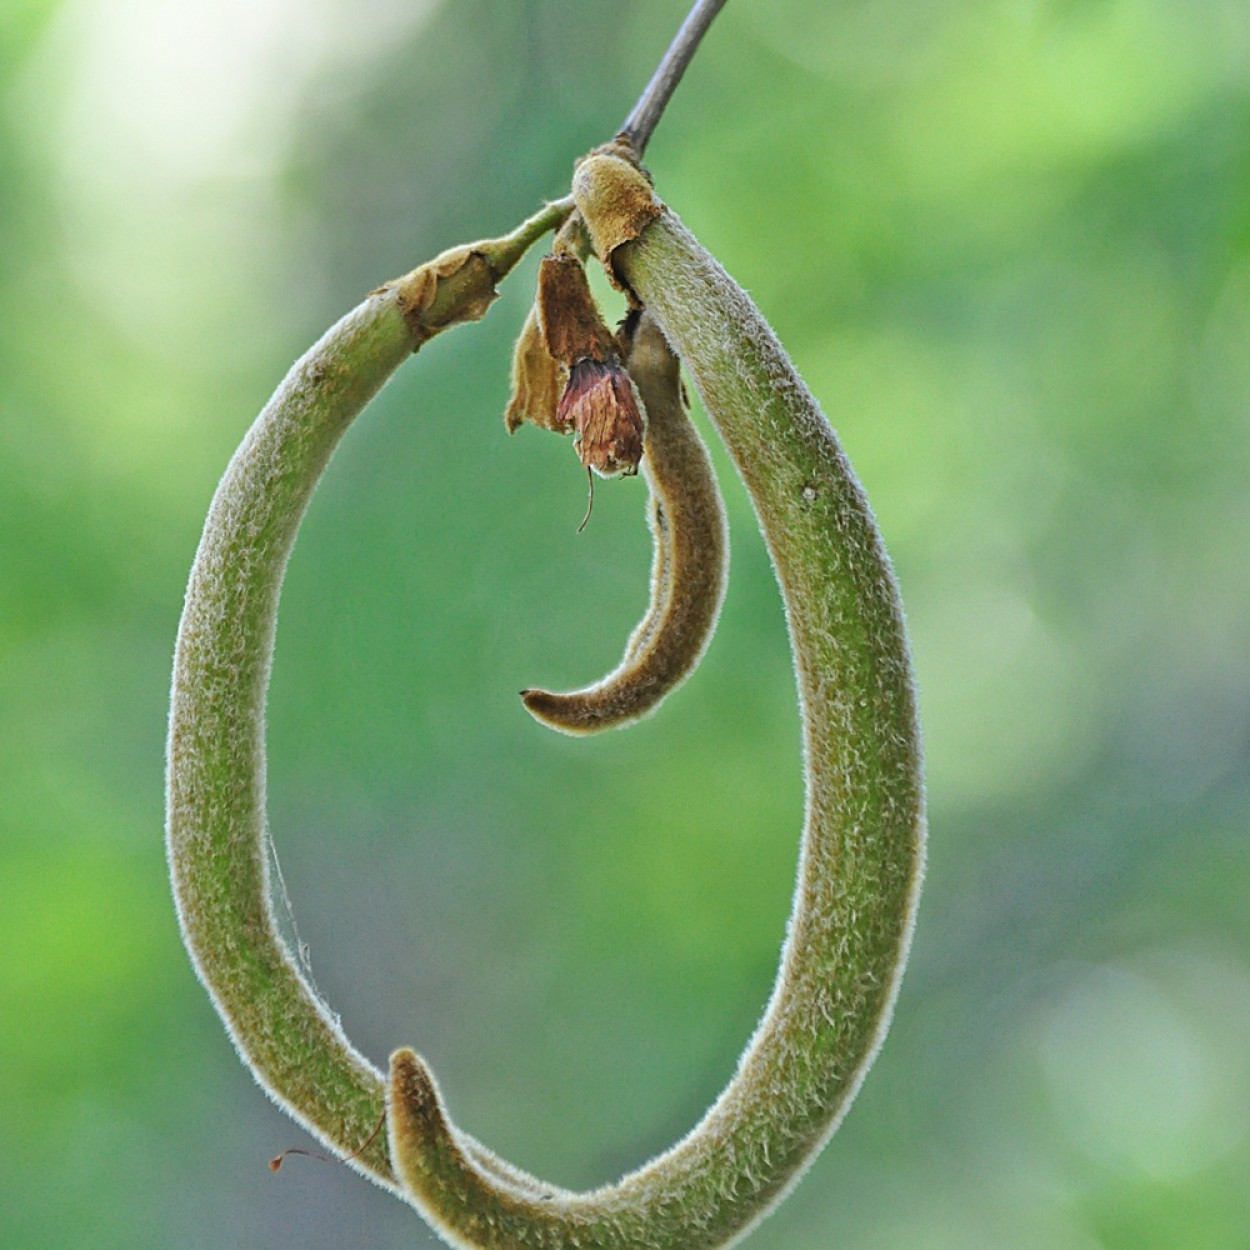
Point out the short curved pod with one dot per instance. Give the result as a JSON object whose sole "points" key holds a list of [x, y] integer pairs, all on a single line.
{"points": [[690, 538]]}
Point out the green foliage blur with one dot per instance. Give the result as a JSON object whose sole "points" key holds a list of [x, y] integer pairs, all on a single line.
{"points": [[1008, 244]]}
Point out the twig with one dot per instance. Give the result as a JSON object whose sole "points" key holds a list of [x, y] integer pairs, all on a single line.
{"points": [[640, 124]]}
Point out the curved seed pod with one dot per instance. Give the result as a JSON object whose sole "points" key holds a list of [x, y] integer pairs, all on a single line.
{"points": [[862, 851], [860, 861], [215, 822], [690, 538]]}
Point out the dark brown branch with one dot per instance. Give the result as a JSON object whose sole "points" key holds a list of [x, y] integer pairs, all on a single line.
{"points": [[636, 131]]}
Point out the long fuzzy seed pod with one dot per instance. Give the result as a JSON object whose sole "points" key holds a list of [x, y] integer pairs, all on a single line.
{"points": [[690, 540], [861, 858], [215, 815]]}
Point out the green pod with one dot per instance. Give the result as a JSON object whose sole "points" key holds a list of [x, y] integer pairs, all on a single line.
{"points": [[691, 548], [861, 858], [216, 824]]}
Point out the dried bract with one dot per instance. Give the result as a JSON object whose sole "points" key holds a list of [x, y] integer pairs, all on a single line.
{"points": [[537, 380]]}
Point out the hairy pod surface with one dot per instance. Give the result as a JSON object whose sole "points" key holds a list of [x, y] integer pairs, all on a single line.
{"points": [[861, 855], [216, 824], [861, 858], [690, 539]]}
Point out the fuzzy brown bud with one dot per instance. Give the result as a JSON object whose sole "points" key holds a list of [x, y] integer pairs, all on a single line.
{"points": [[601, 406]]}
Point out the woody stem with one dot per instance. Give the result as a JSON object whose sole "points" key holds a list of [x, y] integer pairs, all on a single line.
{"points": [[639, 125]]}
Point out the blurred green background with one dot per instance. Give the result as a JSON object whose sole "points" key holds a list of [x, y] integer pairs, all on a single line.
{"points": [[1008, 244]]}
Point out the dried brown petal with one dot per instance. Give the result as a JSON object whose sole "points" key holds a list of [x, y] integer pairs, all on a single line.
{"points": [[602, 407], [537, 380], [567, 311]]}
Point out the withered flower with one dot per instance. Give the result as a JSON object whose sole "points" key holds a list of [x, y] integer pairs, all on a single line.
{"points": [[567, 373], [601, 407]]}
